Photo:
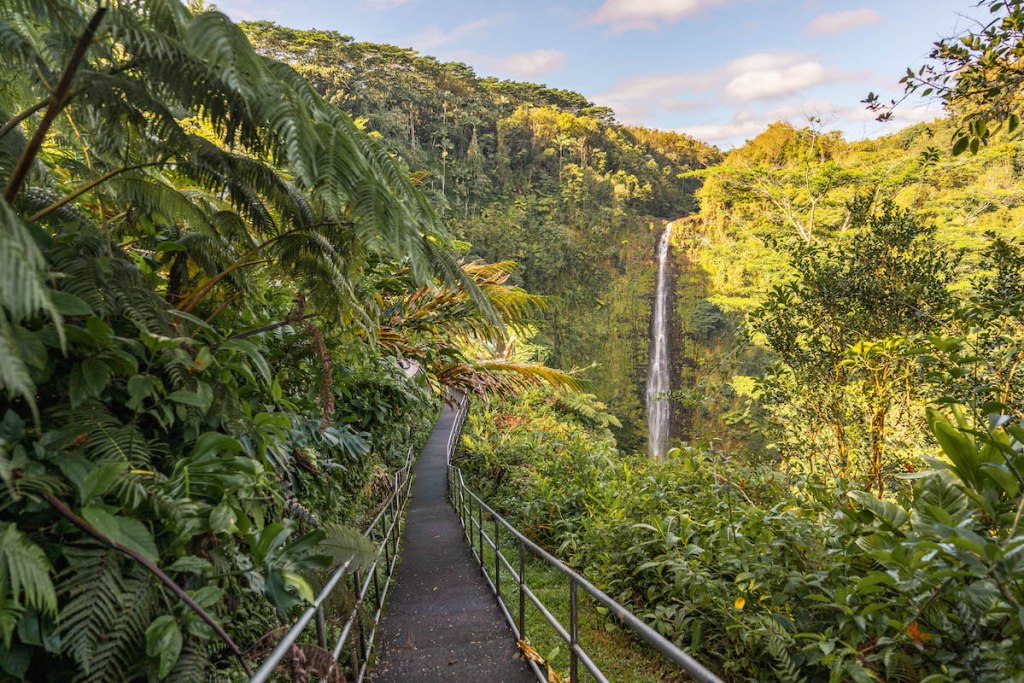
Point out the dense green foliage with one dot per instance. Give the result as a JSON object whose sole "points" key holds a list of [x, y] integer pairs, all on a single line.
{"points": [[779, 218], [765, 584]]}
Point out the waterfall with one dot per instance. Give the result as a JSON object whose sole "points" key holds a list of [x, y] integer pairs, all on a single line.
{"points": [[659, 378]]}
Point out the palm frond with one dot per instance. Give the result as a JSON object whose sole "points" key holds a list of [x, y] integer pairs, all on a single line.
{"points": [[502, 378]]}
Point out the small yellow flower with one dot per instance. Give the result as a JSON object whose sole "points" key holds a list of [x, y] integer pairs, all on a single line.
{"points": [[740, 602]]}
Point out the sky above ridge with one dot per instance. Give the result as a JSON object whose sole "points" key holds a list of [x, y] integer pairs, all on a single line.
{"points": [[720, 70]]}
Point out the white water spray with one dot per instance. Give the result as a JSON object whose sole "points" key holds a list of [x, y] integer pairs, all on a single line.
{"points": [[658, 378]]}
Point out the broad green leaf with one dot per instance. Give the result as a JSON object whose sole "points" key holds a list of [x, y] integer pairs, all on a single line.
{"points": [[190, 398], [98, 481], [127, 531], [69, 304], [141, 387], [1001, 475], [300, 584], [959, 449], [100, 331], [222, 519], [208, 596], [895, 517], [164, 641], [190, 563], [215, 442]]}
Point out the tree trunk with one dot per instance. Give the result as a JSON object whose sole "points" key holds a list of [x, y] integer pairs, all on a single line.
{"points": [[877, 450]]}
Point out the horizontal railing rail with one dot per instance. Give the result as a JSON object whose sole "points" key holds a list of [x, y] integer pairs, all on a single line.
{"points": [[472, 512], [370, 587]]}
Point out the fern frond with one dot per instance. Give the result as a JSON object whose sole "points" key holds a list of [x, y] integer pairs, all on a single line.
{"points": [[25, 572], [103, 622], [588, 408], [193, 663], [344, 544], [23, 293]]}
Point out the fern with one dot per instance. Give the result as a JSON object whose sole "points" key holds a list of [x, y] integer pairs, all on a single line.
{"points": [[193, 663], [23, 293], [900, 667], [24, 579], [343, 544], [588, 408], [104, 621], [785, 668]]}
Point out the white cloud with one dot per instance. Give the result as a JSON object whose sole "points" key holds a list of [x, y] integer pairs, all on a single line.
{"points": [[855, 120], [433, 37], [759, 85], [747, 122], [386, 4], [648, 15], [753, 77], [838, 22], [760, 61], [530, 64], [725, 132]]}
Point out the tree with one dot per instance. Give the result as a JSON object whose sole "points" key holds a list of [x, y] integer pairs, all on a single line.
{"points": [[976, 75], [839, 329]]}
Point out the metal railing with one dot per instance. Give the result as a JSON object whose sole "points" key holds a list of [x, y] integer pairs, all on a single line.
{"points": [[472, 512], [370, 587]]}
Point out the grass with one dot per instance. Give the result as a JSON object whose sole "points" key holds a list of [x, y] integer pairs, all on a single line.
{"points": [[618, 654]]}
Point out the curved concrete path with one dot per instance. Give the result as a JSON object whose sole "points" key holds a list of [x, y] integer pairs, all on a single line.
{"points": [[443, 623]]}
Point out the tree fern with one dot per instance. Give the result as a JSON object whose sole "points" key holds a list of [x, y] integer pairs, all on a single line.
{"points": [[103, 436]]}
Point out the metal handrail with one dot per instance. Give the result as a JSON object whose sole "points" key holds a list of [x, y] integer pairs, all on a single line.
{"points": [[463, 499], [385, 532]]}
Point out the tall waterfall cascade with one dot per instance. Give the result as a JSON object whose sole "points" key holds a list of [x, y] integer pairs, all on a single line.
{"points": [[659, 373]]}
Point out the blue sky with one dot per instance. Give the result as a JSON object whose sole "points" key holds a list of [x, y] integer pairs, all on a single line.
{"points": [[718, 69]]}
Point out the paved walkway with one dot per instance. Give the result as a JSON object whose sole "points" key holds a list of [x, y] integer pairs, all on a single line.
{"points": [[442, 622]]}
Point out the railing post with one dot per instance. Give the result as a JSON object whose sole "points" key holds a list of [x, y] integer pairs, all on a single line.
{"points": [[395, 537], [387, 540], [462, 497], [376, 586], [480, 530], [362, 633], [573, 630], [321, 628], [497, 562], [356, 646], [522, 590], [469, 520]]}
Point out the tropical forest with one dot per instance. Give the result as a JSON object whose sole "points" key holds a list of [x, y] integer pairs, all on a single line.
{"points": [[324, 359]]}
